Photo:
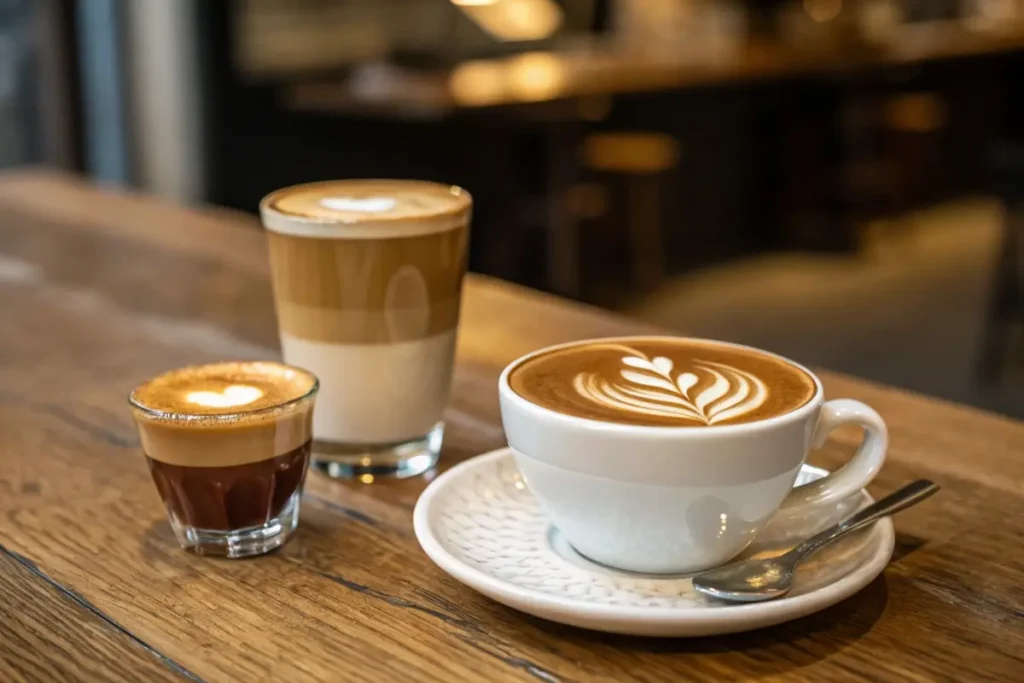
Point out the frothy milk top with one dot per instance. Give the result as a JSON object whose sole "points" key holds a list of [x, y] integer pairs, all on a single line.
{"points": [[366, 209], [223, 389], [662, 381], [224, 414]]}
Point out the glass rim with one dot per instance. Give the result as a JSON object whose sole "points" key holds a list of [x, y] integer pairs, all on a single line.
{"points": [[184, 417]]}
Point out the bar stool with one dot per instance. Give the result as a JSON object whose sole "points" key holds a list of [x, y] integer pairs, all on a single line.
{"points": [[641, 159], [1005, 317], [912, 124], [907, 172]]}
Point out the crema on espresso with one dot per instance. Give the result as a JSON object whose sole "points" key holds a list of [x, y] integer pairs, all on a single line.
{"points": [[663, 381]]}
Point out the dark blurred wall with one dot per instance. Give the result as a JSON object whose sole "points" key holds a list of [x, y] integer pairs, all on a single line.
{"points": [[21, 135], [39, 96]]}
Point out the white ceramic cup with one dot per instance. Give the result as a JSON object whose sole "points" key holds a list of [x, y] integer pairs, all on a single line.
{"points": [[679, 499]]}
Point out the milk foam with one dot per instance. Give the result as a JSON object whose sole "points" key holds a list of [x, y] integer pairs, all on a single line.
{"points": [[662, 381], [376, 393], [651, 386], [219, 391], [366, 209]]}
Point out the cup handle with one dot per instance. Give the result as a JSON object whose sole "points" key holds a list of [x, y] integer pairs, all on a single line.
{"points": [[864, 465]]}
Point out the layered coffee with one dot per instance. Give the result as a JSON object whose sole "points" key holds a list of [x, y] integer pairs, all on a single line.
{"points": [[228, 446], [663, 381], [367, 276]]}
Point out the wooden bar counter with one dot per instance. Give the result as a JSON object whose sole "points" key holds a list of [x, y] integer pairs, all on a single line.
{"points": [[100, 290]]}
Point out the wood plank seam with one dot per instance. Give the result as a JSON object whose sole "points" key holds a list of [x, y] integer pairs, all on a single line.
{"points": [[471, 630], [104, 434], [74, 596]]}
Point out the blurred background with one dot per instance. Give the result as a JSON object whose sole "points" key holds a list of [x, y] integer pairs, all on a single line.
{"points": [[841, 181]]}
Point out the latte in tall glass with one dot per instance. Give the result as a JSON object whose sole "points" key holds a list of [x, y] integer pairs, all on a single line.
{"points": [[367, 277]]}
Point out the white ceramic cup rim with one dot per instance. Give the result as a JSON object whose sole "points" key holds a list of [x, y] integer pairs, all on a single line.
{"points": [[538, 411]]}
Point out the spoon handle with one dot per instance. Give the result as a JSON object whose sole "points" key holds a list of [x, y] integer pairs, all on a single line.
{"points": [[911, 494]]}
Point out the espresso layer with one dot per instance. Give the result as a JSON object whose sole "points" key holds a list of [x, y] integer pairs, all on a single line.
{"points": [[368, 291], [389, 326], [366, 209], [661, 381], [231, 497]]}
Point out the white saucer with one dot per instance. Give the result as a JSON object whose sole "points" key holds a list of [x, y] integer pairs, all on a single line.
{"points": [[479, 522]]}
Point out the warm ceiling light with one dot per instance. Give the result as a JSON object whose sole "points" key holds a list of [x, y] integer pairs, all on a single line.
{"points": [[823, 11], [478, 83], [514, 20], [528, 77], [536, 76]]}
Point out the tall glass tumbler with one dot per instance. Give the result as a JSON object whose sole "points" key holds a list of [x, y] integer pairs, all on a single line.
{"points": [[367, 278]]}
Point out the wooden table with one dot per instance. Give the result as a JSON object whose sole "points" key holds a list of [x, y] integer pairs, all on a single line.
{"points": [[101, 290]]}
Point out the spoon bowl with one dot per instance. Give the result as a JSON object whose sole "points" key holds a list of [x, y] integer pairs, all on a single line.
{"points": [[747, 581]]}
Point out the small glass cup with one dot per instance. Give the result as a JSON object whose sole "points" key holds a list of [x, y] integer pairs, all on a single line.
{"points": [[228, 445]]}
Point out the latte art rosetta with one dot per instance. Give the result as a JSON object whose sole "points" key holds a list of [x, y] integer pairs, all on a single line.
{"points": [[649, 386]]}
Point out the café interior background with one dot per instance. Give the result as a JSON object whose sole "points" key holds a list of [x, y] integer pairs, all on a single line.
{"points": [[840, 181]]}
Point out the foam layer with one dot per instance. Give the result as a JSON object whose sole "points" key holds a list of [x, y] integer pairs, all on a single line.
{"points": [[221, 389], [663, 382], [366, 209]]}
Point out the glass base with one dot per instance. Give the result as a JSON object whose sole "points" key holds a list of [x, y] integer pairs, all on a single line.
{"points": [[366, 461], [247, 542]]}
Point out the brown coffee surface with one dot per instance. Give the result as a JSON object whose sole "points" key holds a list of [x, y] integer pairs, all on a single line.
{"points": [[232, 497], [224, 414], [663, 381]]}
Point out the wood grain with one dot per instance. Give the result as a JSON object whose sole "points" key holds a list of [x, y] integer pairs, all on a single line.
{"points": [[101, 290], [49, 633]]}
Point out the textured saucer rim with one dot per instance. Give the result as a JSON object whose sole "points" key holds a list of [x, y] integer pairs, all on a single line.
{"points": [[656, 621]]}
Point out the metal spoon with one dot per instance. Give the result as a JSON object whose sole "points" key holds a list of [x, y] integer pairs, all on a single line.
{"points": [[756, 580]]}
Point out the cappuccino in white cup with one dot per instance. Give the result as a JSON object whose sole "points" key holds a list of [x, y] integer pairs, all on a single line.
{"points": [[669, 454]]}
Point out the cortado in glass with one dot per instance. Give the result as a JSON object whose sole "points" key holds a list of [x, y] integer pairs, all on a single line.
{"points": [[367, 278], [228, 447]]}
